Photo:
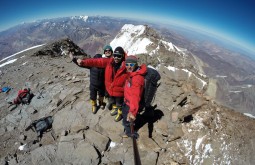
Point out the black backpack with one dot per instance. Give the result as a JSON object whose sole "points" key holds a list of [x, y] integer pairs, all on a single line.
{"points": [[41, 125], [150, 87]]}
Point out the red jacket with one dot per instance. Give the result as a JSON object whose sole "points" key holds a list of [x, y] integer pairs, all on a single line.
{"points": [[114, 82], [21, 94], [134, 89]]}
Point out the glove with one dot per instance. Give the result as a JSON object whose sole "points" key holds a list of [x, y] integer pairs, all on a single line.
{"points": [[75, 60]]}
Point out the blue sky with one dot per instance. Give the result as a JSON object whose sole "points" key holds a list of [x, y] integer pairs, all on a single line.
{"points": [[231, 19]]}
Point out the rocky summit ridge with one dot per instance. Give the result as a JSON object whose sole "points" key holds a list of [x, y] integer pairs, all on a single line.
{"points": [[187, 126]]}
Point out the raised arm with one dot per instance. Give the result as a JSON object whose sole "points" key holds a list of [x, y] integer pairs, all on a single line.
{"points": [[90, 62]]}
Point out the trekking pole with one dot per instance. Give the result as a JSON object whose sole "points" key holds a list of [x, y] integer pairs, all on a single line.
{"points": [[137, 160]]}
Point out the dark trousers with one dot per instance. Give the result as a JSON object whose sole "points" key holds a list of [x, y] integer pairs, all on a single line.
{"points": [[94, 90], [116, 100], [107, 94], [126, 123]]}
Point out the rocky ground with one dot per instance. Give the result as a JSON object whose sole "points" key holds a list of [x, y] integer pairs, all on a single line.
{"points": [[187, 127]]}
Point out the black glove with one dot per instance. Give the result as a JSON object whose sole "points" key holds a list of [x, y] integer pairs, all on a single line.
{"points": [[75, 60]]}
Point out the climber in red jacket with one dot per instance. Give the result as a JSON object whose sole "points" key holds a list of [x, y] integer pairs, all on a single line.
{"points": [[133, 88], [115, 77]]}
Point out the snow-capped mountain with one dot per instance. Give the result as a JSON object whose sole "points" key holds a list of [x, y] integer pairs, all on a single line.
{"points": [[143, 40]]}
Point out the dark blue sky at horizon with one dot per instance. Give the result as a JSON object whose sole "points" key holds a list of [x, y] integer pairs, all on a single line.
{"points": [[233, 20]]}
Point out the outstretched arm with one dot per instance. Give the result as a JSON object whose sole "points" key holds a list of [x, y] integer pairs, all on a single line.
{"points": [[75, 60], [90, 62]]}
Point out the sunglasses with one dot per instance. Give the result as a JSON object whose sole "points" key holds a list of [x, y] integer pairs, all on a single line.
{"points": [[117, 55], [107, 51], [130, 64]]}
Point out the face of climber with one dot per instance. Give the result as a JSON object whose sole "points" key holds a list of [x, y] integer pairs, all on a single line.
{"points": [[118, 54], [108, 53], [131, 63], [130, 67], [117, 58]]}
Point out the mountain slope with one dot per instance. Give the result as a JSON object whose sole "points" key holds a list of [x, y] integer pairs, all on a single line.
{"points": [[229, 69]]}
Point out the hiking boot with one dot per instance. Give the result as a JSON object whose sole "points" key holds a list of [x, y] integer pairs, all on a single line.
{"points": [[94, 106], [102, 104], [114, 110], [119, 115]]}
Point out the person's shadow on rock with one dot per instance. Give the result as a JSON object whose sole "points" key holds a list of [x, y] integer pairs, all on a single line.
{"points": [[150, 116]]}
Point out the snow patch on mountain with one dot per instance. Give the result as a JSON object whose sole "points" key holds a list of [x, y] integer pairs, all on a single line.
{"points": [[247, 86], [174, 69], [82, 17], [8, 62], [235, 91], [129, 28], [21, 52], [250, 115], [130, 39], [221, 76], [171, 46], [136, 40]]}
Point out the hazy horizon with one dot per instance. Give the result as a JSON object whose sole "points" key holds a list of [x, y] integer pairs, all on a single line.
{"points": [[231, 20]]}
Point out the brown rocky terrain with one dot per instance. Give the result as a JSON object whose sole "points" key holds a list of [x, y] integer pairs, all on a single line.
{"points": [[188, 127]]}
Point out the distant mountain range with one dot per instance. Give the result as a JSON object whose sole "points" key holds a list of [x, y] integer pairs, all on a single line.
{"points": [[231, 74], [90, 33]]}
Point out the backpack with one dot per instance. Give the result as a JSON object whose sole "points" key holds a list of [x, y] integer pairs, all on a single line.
{"points": [[25, 96], [150, 87], [41, 125]]}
